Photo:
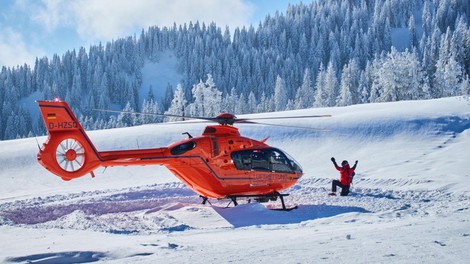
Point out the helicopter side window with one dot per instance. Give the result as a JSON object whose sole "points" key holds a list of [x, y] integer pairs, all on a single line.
{"points": [[260, 160], [242, 160], [183, 148]]}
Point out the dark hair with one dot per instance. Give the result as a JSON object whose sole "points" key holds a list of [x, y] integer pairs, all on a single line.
{"points": [[344, 163]]}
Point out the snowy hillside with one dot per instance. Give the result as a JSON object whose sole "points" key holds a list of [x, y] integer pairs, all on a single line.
{"points": [[410, 201]]}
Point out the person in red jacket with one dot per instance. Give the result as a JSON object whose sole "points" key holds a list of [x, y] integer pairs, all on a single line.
{"points": [[346, 174]]}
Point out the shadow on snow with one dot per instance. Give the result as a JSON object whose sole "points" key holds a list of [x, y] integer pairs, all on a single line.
{"points": [[257, 214], [60, 257]]}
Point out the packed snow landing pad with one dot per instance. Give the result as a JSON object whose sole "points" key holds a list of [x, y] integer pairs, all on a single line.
{"points": [[153, 222], [410, 200]]}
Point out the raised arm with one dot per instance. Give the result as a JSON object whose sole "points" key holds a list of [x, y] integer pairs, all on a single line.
{"points": [[334, 163], [355, 164]]}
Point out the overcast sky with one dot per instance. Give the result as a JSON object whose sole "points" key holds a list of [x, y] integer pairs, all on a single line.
{"points": [[37, 28]]}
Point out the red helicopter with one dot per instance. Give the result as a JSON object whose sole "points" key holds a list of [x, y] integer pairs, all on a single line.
{"points": [[218, 164]]}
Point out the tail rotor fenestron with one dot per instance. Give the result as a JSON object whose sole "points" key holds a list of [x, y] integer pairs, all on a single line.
{"points": [[70, 155]]}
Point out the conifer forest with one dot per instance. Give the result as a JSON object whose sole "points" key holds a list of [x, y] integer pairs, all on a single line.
{"points": [[318, 54]]}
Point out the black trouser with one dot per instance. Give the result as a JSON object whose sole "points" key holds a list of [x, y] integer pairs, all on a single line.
{"points": [[344, 189]]}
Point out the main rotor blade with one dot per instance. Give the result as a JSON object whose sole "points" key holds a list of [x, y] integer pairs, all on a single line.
{"points": [[280, 117], [183, 122], [225, 119], [289, 126], [156, 114]]}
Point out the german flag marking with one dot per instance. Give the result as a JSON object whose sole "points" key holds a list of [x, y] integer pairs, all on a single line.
{"points": [[51, 116]]}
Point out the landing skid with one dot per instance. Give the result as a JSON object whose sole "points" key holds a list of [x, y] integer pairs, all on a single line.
{"points": [[258, 198]]}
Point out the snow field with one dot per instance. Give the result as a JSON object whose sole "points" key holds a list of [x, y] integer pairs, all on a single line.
{"points": [[410, 201]]}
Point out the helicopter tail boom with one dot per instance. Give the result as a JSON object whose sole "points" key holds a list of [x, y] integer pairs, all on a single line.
{"points": [[68, 152]]}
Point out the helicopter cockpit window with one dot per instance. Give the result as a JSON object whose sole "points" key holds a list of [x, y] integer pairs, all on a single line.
{"points": [[279, 162], [264, 160], [182, 148]]}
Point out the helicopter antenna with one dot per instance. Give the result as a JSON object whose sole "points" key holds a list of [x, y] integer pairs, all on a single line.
{"points": [[264, 140], [39, 147], [187, 133], [137, 140]]}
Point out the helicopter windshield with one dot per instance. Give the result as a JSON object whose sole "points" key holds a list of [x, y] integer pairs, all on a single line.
{"points": [[269, 159]]}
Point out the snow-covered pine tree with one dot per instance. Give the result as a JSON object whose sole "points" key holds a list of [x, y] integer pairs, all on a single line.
{"points": [[305, 95], [399, 77], [449, 73], [241, 106], [196, 108], [212, 98], [11, 127], [252, 103], [178, 105], [230, 101], [413, 38], [320, 94], [331, 85], [207, 99], [149, 107], [167, 98], [345, 95], [363, 89], [103, 97], [126, 119], [280, 94], [290, 105], [465, 87], [264, 104]]}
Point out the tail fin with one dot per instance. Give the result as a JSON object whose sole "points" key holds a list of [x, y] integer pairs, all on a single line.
{"points": [[68, 152]]}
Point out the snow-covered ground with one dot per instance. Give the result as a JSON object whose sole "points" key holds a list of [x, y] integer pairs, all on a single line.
{"points": [[410, 201]]}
